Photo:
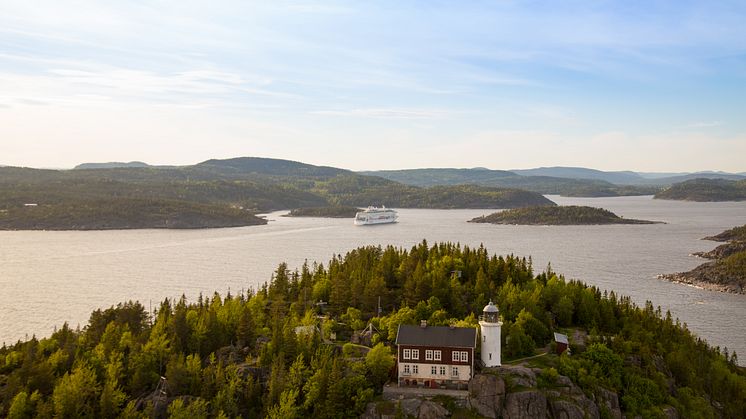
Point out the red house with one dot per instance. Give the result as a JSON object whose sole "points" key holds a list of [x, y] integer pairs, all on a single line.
{"points": [[434, 356]]}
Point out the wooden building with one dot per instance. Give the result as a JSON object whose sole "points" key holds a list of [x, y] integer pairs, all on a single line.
{"points": [[435, 356], [561, 341]]}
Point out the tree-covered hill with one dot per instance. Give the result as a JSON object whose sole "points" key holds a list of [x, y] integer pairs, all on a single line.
{"points": [[557, 215], [243, 355], [505, 179], [705, 190], [254, 184]]}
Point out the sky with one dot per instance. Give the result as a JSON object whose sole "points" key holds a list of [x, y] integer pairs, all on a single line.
{"points": [[650, 86]]}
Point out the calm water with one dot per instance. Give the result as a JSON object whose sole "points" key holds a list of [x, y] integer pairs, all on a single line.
{"points": [[47, 278]]}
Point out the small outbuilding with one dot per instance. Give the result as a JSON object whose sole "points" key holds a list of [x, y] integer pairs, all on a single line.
{"points": [[561, 343]]}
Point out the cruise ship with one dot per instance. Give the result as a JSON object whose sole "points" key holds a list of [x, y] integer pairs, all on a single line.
{"points": [[375, 215]]}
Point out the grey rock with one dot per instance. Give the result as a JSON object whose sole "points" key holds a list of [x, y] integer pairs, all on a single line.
{"points": [[525, 405], [609, 400], [486, 393], [563, 409], [519, 375], [432, 410], [409, 407]]}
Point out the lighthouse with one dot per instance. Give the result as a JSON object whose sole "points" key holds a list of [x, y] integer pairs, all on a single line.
{"points": [[490, 324]]}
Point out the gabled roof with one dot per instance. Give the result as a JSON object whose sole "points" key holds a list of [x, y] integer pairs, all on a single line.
{"points": [[443, 336], [560, 338]]}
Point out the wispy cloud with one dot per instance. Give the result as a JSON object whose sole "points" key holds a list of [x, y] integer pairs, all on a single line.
{"points": [[704, 124], [385, 113]]}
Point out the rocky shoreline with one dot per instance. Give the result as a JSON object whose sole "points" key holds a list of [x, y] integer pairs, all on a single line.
{"points": [[726, 272]]}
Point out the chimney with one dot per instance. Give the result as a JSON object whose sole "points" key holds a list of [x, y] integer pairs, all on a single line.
{"points": [[423, 323]]}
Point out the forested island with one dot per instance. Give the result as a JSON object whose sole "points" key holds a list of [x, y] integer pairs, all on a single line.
{"points": [[557, 215], [209, 193], [274, 352], [327, 212], [705, 190], [727, 271], [120, 214]]}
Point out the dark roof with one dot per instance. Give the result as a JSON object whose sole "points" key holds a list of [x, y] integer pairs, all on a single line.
{"points": [[444, 336]]}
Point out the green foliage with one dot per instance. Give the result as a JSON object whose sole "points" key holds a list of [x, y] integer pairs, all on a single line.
{"points": [[328, 212], [649, 359], [379, 362]]}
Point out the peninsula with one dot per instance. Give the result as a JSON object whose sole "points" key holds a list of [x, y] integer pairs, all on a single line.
{"points": [[559, 215], [727, 270]]}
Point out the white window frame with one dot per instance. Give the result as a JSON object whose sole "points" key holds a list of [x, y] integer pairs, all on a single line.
{"points": [[454, 372], [406, 369], [433, 370], [464, 356], [415, 369], [428, 355], [442, 370], [407, 354], [436, 355], [415, 354], [455, 356]]}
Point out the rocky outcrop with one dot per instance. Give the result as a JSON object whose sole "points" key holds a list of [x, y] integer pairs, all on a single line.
{"points": [[410, 408], [512, 392], [507, 392], [525, 405], [487, 395], [726, 272]]}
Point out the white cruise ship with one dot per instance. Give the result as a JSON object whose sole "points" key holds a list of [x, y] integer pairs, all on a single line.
{"points": [[375, 215]]}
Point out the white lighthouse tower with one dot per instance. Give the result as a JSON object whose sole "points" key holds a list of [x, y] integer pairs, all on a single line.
{"points": [[490, 325]]}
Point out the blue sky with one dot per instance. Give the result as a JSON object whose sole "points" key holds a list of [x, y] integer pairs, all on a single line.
{"points": [[649, 86]]}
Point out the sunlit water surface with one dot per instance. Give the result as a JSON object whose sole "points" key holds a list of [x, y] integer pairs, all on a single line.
{"points": [[47, 278]]}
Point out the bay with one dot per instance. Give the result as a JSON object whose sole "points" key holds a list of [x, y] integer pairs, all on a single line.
{"points": [[51, 277]]}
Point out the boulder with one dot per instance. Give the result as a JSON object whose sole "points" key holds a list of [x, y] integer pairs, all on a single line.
{"points": [[432, 410], [486, 394], [670, 412], [525, 405]]}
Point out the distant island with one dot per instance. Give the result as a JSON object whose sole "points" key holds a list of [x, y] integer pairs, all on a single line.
{"points": [[121, 214], [705, 190], [559, 215], [209, 192], [726, 272], [326, 212]]}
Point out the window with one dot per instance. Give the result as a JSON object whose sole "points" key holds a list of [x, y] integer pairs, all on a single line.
{"points": [[442, 370], [464, 356], [407, 354], [406, 369], [436, 355], [454, 372], [455, 357], [415, 354], [484, 338], [490, 356], [433, 370], [429, 355], [414, 369]]}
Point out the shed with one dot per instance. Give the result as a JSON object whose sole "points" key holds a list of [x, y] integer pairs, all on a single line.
{"points": [[561, 341]]}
